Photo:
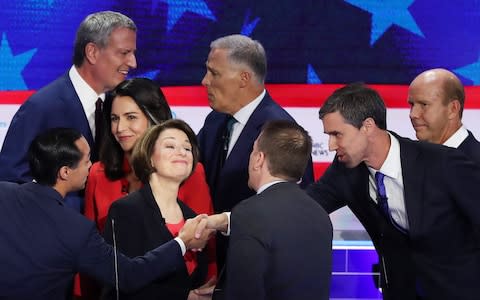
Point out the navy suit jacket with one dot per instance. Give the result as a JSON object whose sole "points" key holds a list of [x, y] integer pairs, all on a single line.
{"points": [[440, 253], [140, 227], [280, 247], [471, 147], [55, 105], [232, 184], [44, 243]]}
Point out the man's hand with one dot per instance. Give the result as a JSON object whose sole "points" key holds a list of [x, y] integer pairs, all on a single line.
{"points": [[188, 233], [203, 292], [214, 222]]}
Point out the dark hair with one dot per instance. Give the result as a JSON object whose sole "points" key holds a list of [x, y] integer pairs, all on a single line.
{"points": [[151, 101], [96, 28], [52, 150], [356, 102], [144, 148], [243, 50], [287, 147]]}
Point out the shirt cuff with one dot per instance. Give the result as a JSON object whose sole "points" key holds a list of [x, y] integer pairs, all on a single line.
{"points": [[228, 223], [182, 245]]}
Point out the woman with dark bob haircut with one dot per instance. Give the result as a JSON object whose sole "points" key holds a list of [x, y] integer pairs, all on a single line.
{"points": [[163, 158], [130, 109]]}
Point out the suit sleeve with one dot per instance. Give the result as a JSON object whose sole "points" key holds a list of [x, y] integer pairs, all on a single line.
{"points": [[97, 260], [327, 191], [308, 178], [247, 258], [463, 178], [125, 223], [25, 126]]}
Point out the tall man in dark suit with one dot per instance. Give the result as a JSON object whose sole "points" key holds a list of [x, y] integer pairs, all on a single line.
{"points": [[236, 70], [437, 99], [104, 52], [414, 199], [44, 243], [281, 240]]}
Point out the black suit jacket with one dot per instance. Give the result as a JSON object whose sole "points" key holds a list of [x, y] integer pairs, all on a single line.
{"points": [[139, 227], [439, 254], [229, 183], [232, 187], [280, 247], [43, 244], [471, 147]]}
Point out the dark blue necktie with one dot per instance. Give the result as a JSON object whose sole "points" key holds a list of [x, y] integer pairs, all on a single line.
{"points": [[382, 200]]}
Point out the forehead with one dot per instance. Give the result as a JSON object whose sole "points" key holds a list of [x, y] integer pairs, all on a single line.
{"points": [[426, 90], [336, 123], [172, 133], [218, 57], [124, 102], [122, 37]]}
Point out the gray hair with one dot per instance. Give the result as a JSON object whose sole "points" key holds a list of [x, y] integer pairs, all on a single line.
{"points": [[96, 28], [244, 50]]}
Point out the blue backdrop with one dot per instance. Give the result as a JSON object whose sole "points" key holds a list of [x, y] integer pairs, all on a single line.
{"points": [[330, 41]]}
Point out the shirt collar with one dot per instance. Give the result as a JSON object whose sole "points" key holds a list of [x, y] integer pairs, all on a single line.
{"points": [[84, 91], [457, 138], [267, 185], [391, 167], [245, 112]]}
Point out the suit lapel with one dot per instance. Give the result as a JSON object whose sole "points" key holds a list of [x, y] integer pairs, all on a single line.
{"points": [[413, 174], [154, 218], [76, 112], [243, 146]]}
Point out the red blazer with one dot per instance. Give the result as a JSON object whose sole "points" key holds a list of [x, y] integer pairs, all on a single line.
{"points": [[101, 192]]}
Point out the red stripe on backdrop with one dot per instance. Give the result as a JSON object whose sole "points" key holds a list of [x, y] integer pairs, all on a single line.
{"points": [[319, 168], [287, 95]]}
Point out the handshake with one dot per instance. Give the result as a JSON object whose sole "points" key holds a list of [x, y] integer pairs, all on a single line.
{"points": [[197, 231]]}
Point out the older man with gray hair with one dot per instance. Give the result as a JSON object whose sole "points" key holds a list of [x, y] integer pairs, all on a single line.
{"points": [[104, 53], [236, 71]]}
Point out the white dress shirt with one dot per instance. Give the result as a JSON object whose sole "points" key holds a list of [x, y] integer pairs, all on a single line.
{"points": [[87, 96], [457, 138], [392, 169], [242, 117]]}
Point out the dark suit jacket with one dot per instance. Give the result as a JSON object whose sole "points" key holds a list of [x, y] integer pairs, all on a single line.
{"points": [[233, 177], [229, 184], [55, 105], [471, 147], [439, 254], [280, 247], [140, 227], [44, 243]]}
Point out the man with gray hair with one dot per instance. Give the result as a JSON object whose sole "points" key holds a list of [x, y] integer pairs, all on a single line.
{"points": [[104, 52], [235, 77]]}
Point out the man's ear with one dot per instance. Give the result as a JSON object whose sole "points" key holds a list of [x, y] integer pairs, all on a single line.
{"points": [[245, 78], [368, 124], [258, 160], [454, 109], [91, 53], [63, 173]]}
